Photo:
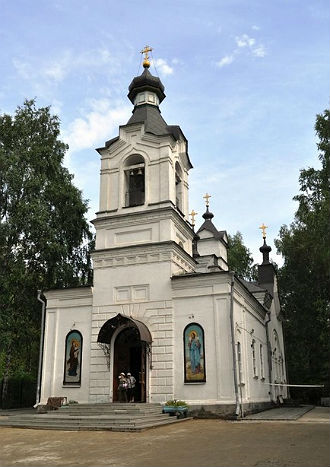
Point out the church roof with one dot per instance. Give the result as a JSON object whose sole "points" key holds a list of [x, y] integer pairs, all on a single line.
{"points": [[208, 225], [252, 286]]}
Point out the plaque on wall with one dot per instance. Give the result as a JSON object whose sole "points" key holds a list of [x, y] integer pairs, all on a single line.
{"points": [[194, 354], [73, 358]]}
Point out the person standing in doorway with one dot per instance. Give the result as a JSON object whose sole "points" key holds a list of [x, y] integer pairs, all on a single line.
{"points": [[122, 388], [130, 387]]}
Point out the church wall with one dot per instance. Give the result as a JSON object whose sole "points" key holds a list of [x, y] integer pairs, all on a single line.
{"points": [[206, 301], [67, 310], [249, 327]]}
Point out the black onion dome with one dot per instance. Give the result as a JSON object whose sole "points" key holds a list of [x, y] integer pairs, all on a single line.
{"points": [[208, 215], [146, 82], [265, 250]]}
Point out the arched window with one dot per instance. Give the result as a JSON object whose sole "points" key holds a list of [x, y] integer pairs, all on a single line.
{"points": [[239, 364], [261, 354], [194, 354], [254, 360], [73, 358], [134, 170], [178, 187]]}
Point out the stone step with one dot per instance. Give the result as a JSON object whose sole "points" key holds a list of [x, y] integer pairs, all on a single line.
{"points": [[116, 417], [40, 419], [93, 427]]}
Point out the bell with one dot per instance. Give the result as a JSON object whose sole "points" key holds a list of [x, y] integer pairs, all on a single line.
{"points": [[131, 172], [140, 171]]}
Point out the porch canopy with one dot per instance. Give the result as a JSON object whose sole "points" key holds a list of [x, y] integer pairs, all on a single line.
{"points": [[122, 321]]}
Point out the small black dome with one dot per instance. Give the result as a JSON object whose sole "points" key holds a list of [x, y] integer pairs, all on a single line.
{"points": [[146, 82], [208, 215], [265, 250]]}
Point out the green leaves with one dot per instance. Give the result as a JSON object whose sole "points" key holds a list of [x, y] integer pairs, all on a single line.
{"points": [[44, 236], [305, 276], [240, 259]]}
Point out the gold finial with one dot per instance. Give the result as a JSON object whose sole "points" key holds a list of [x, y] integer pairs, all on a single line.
{"points": [[146, 61], [263, 227], [207, 197], [192, 215]]}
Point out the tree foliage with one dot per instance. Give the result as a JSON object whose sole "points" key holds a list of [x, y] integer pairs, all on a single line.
{"points": [[44, 235], [305, 276], [240, 259]]}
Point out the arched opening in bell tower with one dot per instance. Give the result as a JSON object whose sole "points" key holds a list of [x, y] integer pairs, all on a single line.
{"points": [[134, 171], [178, 187]]}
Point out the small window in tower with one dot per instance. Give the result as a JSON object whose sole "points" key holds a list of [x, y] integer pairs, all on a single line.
{"points": [[134, 181]]}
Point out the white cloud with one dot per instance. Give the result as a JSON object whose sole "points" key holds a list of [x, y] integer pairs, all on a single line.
{"points": [[259, 51], [55, 71], [227, 60], [245, 41], [163, 66], [96, 126], [255, 28], [68, 61]]}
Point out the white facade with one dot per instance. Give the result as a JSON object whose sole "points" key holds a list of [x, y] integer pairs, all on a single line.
{"points": [[153, 277]]}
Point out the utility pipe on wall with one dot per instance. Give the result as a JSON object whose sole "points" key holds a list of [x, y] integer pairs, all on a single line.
{"points": [[238, 410], [41, 347]]}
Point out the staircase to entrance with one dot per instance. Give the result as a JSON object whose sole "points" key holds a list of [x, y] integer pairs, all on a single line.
{"points": [[111, 416]]}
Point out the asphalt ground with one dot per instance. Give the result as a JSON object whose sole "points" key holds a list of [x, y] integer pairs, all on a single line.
{"points": [[302, 442]]}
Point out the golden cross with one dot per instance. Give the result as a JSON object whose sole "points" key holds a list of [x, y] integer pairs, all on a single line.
{"points": [[263, 227], [206, 197], [146, 62], [193, 214]]}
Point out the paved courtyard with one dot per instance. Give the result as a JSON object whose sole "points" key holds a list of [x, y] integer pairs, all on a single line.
{"points": [[302, 442]]}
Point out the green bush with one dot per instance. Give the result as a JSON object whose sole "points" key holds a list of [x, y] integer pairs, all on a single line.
{"points": [[176, 403]]}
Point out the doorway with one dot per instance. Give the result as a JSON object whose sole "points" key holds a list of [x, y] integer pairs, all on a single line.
{"points": [[130, 356]]}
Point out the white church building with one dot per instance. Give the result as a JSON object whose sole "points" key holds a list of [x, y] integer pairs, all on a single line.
{"points": [[163, 304]]}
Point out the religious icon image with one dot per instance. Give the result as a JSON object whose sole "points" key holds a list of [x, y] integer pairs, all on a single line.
{"points": [[194, 354], [72, 366]]}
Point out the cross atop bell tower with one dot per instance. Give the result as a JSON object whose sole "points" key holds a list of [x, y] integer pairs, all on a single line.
{"points": [[145, 51]]}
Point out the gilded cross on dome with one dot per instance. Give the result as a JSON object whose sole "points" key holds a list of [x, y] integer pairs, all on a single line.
{"points": [[207, 197], [145, 51], [192, 215], [263, 227]]}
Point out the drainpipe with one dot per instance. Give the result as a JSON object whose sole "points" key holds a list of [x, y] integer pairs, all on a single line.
{"points": [[238, 409], [41, 348], [269, 356]]}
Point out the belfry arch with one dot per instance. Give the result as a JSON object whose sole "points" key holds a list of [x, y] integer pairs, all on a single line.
{"points": [[130, 343]]}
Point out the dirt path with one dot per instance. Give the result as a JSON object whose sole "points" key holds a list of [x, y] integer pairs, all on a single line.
{"points": [[193, 443]]}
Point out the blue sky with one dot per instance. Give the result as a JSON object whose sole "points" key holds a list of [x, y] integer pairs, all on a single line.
{"points": [[243, 78]]}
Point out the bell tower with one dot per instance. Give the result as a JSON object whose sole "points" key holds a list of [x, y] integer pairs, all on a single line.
{"points": [[144, 187]]}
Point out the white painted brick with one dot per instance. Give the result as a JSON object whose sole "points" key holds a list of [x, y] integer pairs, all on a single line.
{"points": [[156, 365], [169, 381], [98, 360], [159, 334], [160, 389], [164, 357], [169, 333], [98, 368], [158, 349], [169, 319], [102, 317], [168, 342], [157, 320], [169, 364], [164, 373], [158, 382], [164, 327], [98, 384], [169, 348], [100, 375]]}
